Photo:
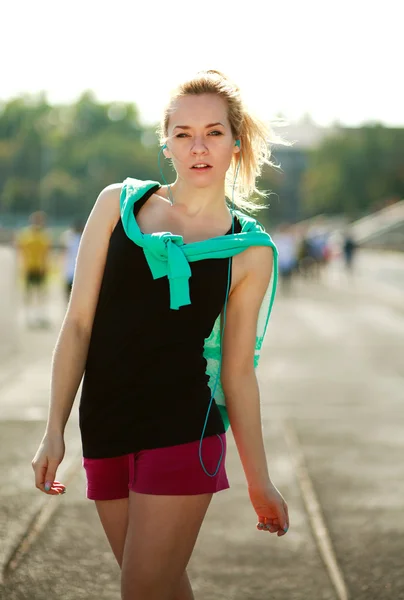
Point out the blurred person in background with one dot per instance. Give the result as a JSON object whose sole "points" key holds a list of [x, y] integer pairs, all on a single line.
{"points": [[153, 435], [34, 245], [314, 253], [349, 247], [71, 241], [306, 255], [286, 242]]}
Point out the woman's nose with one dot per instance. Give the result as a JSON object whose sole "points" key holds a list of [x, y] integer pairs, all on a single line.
{"points": [[198, 146]]}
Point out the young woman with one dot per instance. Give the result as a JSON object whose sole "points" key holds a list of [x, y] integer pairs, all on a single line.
{"points": [[158, 266]]}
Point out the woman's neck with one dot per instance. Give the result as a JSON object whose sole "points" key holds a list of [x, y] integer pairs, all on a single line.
{"points": [[203, 202]]}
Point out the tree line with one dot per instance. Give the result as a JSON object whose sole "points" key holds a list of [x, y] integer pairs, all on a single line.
{"points": [[58, 157]]}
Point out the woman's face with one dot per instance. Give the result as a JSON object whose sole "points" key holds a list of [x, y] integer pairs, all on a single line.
{"points": [[199, 133]]}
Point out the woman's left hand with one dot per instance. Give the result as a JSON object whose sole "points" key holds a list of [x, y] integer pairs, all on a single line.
{"points": [[271, 509]]}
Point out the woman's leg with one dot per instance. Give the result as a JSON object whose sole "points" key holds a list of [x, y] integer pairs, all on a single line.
{"points": [[184, 590], [114, 519], [161, 534]]}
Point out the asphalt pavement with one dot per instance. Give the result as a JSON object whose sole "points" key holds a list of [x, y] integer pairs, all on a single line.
{"points": [[331, 379]]}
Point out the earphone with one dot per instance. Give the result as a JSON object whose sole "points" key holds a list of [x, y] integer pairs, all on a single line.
{"points": [[237, 143]]}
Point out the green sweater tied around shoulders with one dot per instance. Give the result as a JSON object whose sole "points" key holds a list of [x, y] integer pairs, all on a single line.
{"points": [[168, 256]]}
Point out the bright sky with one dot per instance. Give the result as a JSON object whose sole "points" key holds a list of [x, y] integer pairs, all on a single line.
{"points": [[334, 60]]}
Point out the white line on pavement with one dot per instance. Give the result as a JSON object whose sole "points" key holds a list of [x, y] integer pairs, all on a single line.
{"points": [[313, 508]]}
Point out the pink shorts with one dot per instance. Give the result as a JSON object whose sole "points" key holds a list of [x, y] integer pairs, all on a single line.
{"points": [[170, 471]]}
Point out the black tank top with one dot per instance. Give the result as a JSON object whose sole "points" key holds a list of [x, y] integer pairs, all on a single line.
{"points": [[145, 384]]}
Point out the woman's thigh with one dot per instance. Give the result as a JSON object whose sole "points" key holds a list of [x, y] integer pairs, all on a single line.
{"points": [[114, 519], [161, 534]]}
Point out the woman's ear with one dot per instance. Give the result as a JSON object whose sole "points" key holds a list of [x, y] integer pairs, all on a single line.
{"points": [[166, 151]]}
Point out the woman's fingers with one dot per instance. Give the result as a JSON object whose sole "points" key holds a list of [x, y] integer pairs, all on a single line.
{"points": [[266, 524], [56, 488], [271, 509], [41, 478], [40, 472], [284, 520], [46, 462], [287, 514], [273, 525], [50, 474]]}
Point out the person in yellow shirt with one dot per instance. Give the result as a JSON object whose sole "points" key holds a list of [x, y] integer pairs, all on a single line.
{"points": [[34, 245]]}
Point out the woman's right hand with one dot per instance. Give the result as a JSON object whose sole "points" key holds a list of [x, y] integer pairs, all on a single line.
{"points": [[45, 463]]}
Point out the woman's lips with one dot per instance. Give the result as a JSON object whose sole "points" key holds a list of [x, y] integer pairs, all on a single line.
{"points": [[202, 169]]}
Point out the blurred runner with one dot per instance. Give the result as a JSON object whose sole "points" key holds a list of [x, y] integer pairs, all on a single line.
{"points": [[314, 253], [286, 243], [349, 248], [34, 245]]}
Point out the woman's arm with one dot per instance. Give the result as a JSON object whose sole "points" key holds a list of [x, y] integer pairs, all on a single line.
{"points": [[238, 374], [241, 391], [71, 349]]}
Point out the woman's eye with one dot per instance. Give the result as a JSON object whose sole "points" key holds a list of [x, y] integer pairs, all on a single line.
{"points": [[212, 133]]}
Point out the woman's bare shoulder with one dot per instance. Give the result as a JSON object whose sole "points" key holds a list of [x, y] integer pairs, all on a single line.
{"points": [[254, 264], [108, 203], [111, 193], [258, 257]]}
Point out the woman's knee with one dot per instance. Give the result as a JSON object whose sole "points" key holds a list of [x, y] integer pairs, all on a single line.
{"points": [[155, 588]]}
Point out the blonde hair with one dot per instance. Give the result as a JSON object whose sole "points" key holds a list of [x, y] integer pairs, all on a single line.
{"points": [[255, 135]]}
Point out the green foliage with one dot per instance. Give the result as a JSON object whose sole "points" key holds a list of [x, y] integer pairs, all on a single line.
{"points": [[355, 171], [17, 194], [59, 158]]}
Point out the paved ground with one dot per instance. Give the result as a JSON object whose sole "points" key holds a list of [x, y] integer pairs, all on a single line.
{"points": [[8, 299], [332, 379]]}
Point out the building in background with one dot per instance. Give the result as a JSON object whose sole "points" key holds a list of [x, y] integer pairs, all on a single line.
{"points": [[306, 135]]}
